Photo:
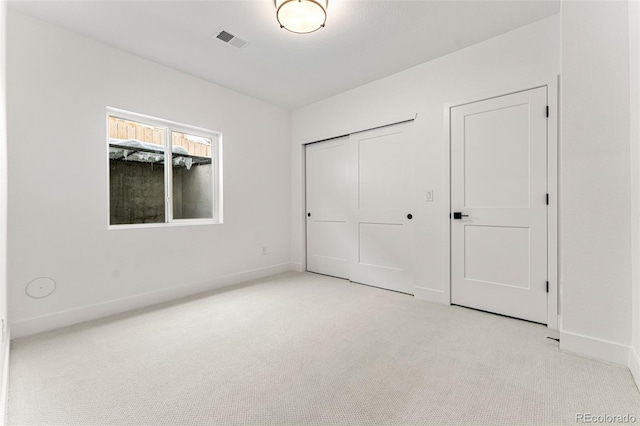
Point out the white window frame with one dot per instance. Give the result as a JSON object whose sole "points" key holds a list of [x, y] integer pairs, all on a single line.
{"points": [[171, 126]]}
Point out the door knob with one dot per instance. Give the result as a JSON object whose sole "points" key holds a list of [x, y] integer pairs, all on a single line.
{"points": [[409, 216], [309, 214], [459, 215]]}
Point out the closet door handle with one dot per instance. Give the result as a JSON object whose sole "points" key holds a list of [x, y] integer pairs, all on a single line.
{"points": [[409, 216], [459, 215]]}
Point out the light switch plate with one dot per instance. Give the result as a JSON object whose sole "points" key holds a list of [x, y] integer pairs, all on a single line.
{"points": [[429, 195]]}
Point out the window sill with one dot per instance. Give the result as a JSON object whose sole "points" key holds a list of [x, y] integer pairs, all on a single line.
{"points": [[184, 222]]}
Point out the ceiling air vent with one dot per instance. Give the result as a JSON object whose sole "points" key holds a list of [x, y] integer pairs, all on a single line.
{"points": [[231, 39]]}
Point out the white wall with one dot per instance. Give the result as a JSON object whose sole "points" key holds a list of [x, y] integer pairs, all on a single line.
{"points": [[634, 73], [595, 179], [518, 57], [59, 84], [4, 346]]}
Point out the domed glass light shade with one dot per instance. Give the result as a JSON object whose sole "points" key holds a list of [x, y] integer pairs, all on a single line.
{"points": [[301, 16]]}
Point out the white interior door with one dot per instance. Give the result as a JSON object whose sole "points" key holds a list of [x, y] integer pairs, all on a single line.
{"points": [[327, 189], [382, 208], [499, 182]]}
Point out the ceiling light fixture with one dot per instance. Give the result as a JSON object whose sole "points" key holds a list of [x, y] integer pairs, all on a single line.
{"points": [[301, 16]]}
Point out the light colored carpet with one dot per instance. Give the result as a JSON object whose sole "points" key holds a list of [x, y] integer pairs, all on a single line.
{"points": [[306, 349]]}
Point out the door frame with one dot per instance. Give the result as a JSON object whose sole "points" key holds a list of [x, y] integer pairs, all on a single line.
{"points": [[551, 84]]}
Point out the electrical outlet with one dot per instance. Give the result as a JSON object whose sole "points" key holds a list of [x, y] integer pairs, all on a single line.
{"points": [[264, 250]]}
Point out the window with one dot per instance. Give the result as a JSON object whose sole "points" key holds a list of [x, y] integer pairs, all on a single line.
{"points": [[145, 188]]}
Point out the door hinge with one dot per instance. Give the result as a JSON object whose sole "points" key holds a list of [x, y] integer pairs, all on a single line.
{"points": [[547, 199], [547, 110], [547, 286]]}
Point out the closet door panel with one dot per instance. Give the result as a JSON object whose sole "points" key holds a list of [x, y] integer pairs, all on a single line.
{"points": [[381, 213], [327, 170]]}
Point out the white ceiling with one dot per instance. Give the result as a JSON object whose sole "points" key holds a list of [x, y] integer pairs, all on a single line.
{"points": [[362, 41]]}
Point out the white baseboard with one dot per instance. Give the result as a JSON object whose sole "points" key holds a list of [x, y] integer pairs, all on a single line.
{"points": [[297, 267], [4, 391], [634, 365], [48, 322], [594, 348], [431, 295]]}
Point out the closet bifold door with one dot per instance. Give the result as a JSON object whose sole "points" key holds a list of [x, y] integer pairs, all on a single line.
{"points": [[327, 203], [381, 213]]}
